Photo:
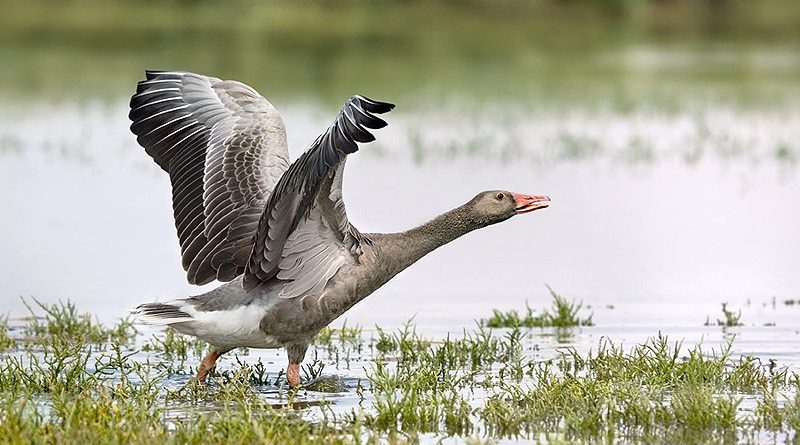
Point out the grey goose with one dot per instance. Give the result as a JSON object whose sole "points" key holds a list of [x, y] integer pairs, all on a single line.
{"points": [[275, 232]]}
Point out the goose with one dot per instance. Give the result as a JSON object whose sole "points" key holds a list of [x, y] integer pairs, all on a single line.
{"points": [[275, 232]]}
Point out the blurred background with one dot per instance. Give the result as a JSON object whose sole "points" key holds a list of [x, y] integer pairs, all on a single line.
{"points": [[667, 133]]}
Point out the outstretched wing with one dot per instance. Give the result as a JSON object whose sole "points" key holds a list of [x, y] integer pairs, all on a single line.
{"points": [[224, 147], [304, 236]]}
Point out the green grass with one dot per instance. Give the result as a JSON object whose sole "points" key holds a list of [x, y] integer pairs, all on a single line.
{"points": [[6, 341], [730, 318], [563, 314], [484, 384], [648, 394], [176, 346], [342, 335], [63, 322]]}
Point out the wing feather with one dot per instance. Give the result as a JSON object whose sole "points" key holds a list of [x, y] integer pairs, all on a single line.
{"points": [[224, 147], [303, 236]]}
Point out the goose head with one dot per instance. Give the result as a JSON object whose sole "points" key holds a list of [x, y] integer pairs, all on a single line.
{"points": [[494, 206]]}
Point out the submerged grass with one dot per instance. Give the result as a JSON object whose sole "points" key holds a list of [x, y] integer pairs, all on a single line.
{"points": [[563, 314], [100, 387]]}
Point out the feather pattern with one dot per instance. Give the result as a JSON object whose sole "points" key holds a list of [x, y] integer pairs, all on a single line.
{"points": [[303, 235], [224, 147]]}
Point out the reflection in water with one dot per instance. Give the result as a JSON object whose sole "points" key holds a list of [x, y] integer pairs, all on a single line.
{"points": [[646, 206]]}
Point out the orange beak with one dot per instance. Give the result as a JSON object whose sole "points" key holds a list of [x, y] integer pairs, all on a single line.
{"points": [[529, 203]]}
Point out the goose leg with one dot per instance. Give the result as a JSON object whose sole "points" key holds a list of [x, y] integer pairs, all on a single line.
{"points": [[296, 354], [293, 375], [208, 363]]}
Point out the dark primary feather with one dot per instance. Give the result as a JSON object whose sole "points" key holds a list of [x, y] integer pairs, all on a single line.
{"points": [[298, 187], [224, 148]]}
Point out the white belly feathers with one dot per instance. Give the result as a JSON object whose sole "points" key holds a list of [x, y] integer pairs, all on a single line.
{"points": [[234, 328]]}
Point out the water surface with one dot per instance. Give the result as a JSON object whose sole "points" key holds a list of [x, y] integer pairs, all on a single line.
{"points": [[648, 207]]}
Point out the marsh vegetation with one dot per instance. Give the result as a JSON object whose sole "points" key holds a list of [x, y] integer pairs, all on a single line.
{"points": [[563, 314], [65, 378]]}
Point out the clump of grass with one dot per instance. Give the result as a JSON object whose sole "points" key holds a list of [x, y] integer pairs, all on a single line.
{"points": [[791, 412], [656, 392], [420, 387], [731, 319], [563, 314], [256, 374], [345, 335], [6, 341], [131, 408], [650, 394], [176, 346], [53, 370], [62, 323], [406, 341], [419, 399]]}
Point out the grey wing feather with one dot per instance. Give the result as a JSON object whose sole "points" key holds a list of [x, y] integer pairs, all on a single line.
{"points": [[224, 147], [304, 236], [310, 251]]}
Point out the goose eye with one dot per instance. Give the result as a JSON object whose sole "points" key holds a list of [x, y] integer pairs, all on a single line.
{"points": [[500, 196]]}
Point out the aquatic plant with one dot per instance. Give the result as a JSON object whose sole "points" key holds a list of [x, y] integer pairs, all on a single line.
{"points": [[344, 335], [6, 341], [61, 322], [731, 319], [176, 346], [651, 394], [483, 384], [563, 314]]}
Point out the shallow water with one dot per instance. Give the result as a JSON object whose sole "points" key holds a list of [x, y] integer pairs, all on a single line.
{"points": [[656, 220], [349, 367], [649, 209]]}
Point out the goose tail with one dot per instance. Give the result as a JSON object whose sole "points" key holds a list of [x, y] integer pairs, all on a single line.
{"points": [[162, 313]]}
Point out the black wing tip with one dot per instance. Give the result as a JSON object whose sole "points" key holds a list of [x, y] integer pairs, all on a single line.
{"points": [[375, 123], [365, 110], [154, 80], [373, 106], [150, 76], [154, 74]]}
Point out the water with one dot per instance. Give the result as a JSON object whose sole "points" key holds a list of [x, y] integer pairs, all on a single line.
{"points": [[648, 207]]}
